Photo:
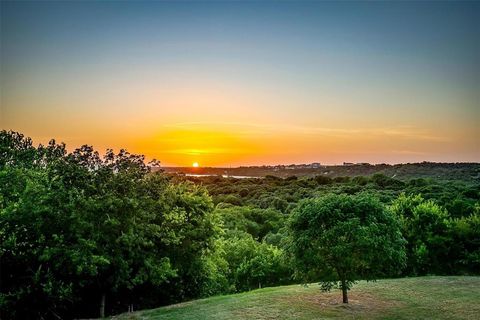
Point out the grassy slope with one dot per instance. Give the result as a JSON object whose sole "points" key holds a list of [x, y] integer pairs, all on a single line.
{"points": [[408, 298]]}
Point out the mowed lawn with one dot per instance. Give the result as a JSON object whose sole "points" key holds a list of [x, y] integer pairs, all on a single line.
{"points": [[408, 298]]}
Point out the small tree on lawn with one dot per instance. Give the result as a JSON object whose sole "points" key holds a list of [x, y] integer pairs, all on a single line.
{"points": [[340, 239]]}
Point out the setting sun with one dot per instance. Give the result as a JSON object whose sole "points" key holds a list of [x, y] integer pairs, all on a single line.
{"points": [[195, 164]]}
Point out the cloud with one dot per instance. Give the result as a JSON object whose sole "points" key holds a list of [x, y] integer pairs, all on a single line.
{"points": [[239, 128], [410, 152]]}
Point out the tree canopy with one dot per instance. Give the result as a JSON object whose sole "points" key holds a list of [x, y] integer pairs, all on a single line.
{"points": [[340, 239], [77, 225]]}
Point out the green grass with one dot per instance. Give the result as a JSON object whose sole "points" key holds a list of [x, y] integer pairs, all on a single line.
{"points": [[408, 298]]}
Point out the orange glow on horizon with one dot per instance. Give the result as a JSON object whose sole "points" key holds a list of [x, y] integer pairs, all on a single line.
{"points": [[231, 144], [236, 144], [217, 144], [254, 88]]}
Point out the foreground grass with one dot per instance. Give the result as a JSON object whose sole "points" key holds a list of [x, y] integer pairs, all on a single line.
{"points": [[408, 298]]}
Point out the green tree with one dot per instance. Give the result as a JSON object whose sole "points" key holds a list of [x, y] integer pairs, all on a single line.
{"points": [[465, 244], [16, 149], [425, 227], [255, 221], [340, 239], [76, 226], [253, 264]]}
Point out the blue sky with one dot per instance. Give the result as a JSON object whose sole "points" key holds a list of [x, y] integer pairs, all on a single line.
{"points": [[67, 69]]}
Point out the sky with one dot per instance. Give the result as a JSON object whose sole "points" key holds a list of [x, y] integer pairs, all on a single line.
{"points": [[246, 83]]}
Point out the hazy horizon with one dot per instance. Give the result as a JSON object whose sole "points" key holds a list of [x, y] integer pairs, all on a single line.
{"points": [[246, 83]]}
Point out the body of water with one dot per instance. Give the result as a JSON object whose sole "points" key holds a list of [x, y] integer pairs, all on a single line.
{"points": [[223, 176]]}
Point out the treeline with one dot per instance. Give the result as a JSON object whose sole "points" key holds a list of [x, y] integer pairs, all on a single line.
{"points": [[459, 198], [440, 220], [467, 172], [86, 236]]}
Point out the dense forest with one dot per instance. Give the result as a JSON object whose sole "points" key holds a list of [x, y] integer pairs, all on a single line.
{"points": [[84, 235], [467, 172]]}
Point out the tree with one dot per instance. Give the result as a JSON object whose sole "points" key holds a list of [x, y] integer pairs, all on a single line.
{"points": [[425, 227], [465, 244], [341, 239], [252, 264], [16, 149], [256, 221], [75, 228]]}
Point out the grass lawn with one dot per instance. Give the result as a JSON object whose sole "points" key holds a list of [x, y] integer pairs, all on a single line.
{"points": [[408, 298]]}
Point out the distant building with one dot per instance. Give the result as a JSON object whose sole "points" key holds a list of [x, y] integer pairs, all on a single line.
{"points": [[348, 163], [315, 165]]}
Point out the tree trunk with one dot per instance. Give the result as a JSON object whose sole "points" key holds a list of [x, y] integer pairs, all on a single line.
{"points": [[344, 291], [102, 305]]}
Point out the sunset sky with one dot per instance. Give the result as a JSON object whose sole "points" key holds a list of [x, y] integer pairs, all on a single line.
{"points": [[246, 83]]}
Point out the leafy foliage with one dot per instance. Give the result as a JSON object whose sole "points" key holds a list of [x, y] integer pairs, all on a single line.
{"points": [[340, 238], [79, 231], [74, 226]]}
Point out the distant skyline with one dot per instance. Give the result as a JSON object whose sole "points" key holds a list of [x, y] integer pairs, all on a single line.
{"points": [[246, 83]]}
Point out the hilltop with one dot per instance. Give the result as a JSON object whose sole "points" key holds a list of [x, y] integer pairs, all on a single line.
{"points": [[407, 298]]}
